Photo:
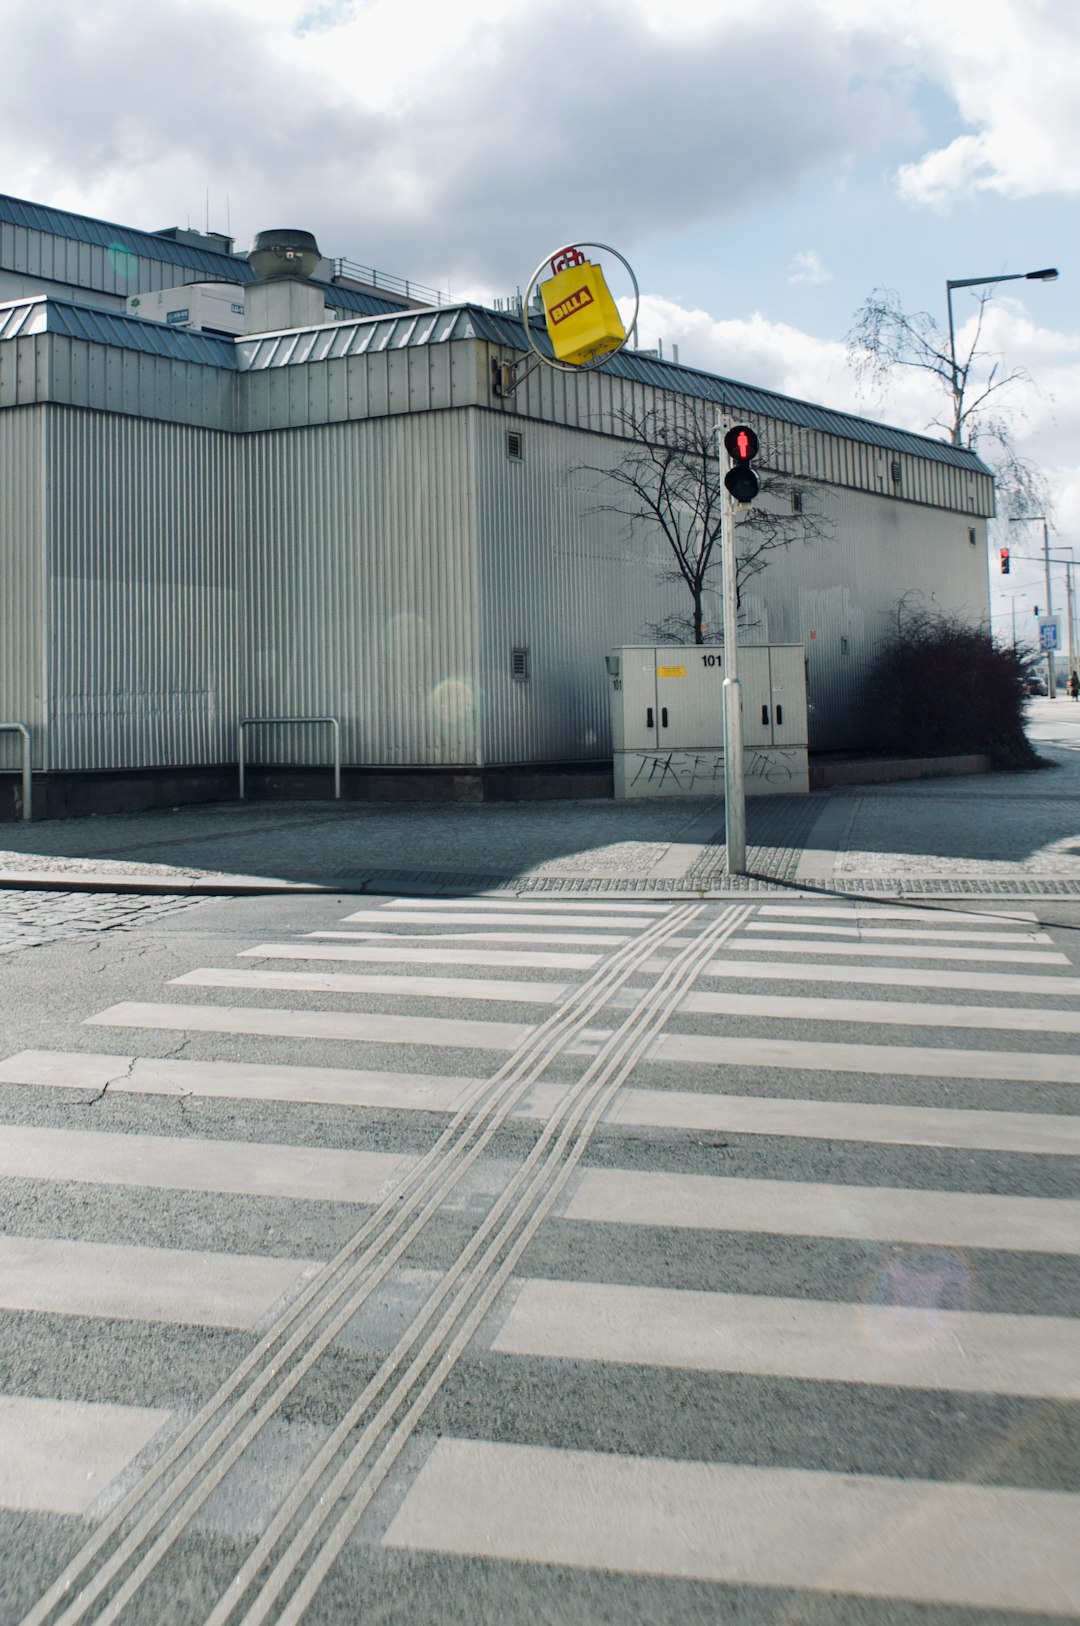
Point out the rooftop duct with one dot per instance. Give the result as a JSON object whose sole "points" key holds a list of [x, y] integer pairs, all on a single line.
{"points": [[283, 253]]}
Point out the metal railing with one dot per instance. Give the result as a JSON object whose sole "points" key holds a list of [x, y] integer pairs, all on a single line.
{"points": [[393, 285], [27, 780], [258, 722]]}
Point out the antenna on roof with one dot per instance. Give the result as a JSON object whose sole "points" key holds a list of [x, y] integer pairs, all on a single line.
{"points": [[228, 217], [207, 211]]}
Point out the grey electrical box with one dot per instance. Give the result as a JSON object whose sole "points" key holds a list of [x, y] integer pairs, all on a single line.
{"points": [[667, 719]]}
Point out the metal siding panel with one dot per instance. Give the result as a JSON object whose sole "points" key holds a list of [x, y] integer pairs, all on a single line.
{"points": [[22, 522], [563, 581], [359, 589], [141, 593]]}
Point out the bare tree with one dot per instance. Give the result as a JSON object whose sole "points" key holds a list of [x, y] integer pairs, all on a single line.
{"points": [[885, 338], [670, 482]]}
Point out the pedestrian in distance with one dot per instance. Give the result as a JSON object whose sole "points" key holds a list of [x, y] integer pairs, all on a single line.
{"points": [[1074, 684]]}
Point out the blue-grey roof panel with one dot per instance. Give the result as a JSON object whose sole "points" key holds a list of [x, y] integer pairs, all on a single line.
{"points": [[364, 304], [103, 233], [43, 315], [499, 328]]}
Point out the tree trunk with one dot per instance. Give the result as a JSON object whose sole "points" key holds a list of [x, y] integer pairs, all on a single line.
{"points": [[699, 629]]}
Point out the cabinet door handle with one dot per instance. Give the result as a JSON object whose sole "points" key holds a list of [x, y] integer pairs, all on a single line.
{"points": [[663, 717], [780, 716], [764, 714], [648, 717]]}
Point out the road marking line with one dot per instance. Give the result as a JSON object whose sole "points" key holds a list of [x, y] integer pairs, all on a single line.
{"points": [[948, 936], [577, 939], [900, 951], [919, 1061], [862, 911], [359, 1028], [174, 1163], [142, 1284], [477, 917], [956, 1219], [534, 905], [896, 1013], [58, 1456], [907, 1346], [694, 1111], [403, 984], [972, 1546], [213, 1440], [1035, 1133], [994, 982], [240, 1081], [508, 958]]}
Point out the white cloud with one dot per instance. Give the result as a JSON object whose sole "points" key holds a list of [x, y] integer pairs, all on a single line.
{"points": [[808, 267], [465, 146], [1011, 68]]}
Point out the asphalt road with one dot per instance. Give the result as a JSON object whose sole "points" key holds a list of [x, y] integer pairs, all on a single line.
{"points": [[574, 1261]]}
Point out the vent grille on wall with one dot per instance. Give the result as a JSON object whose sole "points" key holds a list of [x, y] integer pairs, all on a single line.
{"points": [[519, 665], [514, 445]]}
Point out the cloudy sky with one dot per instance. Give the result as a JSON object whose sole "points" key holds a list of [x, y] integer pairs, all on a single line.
{"points": [[763, 172]]}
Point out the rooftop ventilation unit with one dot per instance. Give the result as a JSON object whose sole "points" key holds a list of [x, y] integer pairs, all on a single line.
{"points": [[283, 253]]}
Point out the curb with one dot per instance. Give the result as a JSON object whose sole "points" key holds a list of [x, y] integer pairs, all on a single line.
{"points": [[447, 883]]}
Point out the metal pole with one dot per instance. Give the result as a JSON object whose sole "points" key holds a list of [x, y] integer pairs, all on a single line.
{"points": [[952, 361], [1051, 654], [734, 781], [1069, 602]]}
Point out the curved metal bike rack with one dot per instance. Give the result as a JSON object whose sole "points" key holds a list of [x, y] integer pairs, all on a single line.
{"points": [[27, 779], [258, 722]]}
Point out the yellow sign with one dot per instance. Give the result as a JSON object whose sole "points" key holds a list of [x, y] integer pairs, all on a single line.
{"points": [[671, 671], [582, 321]]}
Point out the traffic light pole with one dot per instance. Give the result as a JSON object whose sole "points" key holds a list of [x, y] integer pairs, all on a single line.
{"points": [[734, 781]]}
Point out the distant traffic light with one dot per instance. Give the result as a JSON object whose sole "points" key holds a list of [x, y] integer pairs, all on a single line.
{"points": [[741, 445], [1004, 561]]}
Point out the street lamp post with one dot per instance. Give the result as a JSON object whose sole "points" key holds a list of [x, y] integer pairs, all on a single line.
{"points": [[1049, 274], [1051, 676]]}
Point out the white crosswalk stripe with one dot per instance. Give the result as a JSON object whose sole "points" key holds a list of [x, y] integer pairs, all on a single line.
{"points": [[941, 950], [542, 960], [58, 1456], [329, 982], [898, 1013], [872, 1537], [806, 1208], [979, 1547], [903, 1346]]}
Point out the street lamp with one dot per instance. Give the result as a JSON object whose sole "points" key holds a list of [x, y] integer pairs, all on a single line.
{"points": [[1022, 519], [1047, 275]]}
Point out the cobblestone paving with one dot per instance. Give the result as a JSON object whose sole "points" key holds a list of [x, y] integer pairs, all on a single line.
{"points": [[28, 919]]}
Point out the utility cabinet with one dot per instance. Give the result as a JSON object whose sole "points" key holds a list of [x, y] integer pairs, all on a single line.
{"points": [[667, 719]]}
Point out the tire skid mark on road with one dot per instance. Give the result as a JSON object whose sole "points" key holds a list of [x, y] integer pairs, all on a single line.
{"points": [[207, 1448]]}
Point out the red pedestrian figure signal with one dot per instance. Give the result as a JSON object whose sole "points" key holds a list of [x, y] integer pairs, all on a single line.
{"points": [[1004, 561], [741, 445]]}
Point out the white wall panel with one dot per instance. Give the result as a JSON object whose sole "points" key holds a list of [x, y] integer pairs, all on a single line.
{"points": [[22, 518], [359, 588], [141, 597]]}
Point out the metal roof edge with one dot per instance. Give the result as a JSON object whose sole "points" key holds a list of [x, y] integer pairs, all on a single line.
{"points": [[97, 326], [924, 445], [157, 247]]}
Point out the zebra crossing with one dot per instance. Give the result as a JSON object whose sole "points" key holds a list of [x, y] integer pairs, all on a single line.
{"points": [[551, 1210]]}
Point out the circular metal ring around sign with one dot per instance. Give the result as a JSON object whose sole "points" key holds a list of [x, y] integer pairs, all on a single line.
{"points": [[589, 366]]}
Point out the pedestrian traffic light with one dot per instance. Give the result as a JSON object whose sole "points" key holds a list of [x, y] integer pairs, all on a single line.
{"points": [[741, 445], [1004, 561]]}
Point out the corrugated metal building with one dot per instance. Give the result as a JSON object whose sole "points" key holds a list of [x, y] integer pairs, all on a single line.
{"points": [[347, 519]]}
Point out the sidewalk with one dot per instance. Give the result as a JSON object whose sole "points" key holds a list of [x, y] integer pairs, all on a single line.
{"points": [[998, 834]]}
